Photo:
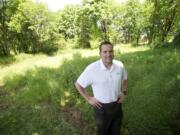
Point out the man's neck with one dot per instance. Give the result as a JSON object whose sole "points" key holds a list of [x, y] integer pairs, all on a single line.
{"points": [[107, 65]]}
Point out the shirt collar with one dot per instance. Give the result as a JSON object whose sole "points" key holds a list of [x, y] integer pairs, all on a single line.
{"points": [[103, 67]]}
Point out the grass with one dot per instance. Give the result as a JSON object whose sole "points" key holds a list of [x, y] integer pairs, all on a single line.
{"points": [[38, 95], [152, 103], [21, 63]]}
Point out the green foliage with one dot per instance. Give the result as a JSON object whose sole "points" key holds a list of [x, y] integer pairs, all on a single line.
{"points": [[44, 100], [7, 9], [36, 119], [29, 27], [40, 91], [164, 20], [89, 22], [152, 103], [176, 40], [34, 27], [84, 23], [67, 19], [6, 60]]}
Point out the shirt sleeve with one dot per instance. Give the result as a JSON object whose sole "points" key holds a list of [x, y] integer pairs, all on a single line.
{"points": [[85, 78]]}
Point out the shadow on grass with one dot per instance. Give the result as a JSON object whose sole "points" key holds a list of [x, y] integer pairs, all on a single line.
{"points": [[44, 100]]}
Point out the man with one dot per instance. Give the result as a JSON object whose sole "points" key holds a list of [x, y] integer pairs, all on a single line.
{"points": [[109, 82]]}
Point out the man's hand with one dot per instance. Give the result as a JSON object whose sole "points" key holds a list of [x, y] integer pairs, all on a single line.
{"points": [[94, 102], [121, 98]]}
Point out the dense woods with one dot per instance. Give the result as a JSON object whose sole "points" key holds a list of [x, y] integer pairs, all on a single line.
{"points": [[30, 27]]}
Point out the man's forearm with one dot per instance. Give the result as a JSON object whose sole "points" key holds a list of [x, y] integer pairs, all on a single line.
{"points": [[81, 90], [91, 100], [125, 87]]}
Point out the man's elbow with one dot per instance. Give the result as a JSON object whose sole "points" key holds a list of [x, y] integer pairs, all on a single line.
{"points": [[76, 84], [126, 80]]}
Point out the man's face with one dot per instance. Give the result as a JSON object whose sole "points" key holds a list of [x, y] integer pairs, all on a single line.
{"points": [[107, 53]]}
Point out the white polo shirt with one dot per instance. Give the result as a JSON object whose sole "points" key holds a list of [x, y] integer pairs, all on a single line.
{"points": [[105, 83]]}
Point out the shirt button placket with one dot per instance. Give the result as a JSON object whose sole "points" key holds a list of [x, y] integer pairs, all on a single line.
{"points": [[110, 78]]}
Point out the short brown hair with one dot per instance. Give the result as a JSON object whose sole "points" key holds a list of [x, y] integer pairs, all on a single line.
{"points": [[105, 43]]}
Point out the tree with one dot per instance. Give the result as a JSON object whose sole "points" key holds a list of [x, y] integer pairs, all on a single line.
{"points": [[163, 19], [67, 21], [34, 26], [133, 20], [7, 9]]}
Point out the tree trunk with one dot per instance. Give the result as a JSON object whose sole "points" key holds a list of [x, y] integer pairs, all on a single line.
{"points": [[176, 40], [168, 25], [4, 30], [137, 39]]}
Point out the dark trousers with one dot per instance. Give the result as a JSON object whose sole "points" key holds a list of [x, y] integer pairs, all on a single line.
{"points": [[109, 118]]}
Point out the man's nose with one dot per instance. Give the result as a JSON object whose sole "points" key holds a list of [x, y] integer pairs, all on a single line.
{"points": [[109, 54]]}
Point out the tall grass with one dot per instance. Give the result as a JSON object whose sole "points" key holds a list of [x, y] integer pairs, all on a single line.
{"points": [[152, 104], [13, 65], [43, 99]]}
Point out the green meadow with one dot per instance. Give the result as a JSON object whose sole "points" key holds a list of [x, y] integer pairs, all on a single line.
{"points": [[38, 97]]}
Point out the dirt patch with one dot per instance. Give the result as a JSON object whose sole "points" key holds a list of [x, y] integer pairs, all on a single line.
{"points": [[74, 117]]}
